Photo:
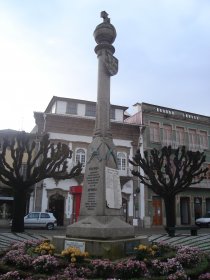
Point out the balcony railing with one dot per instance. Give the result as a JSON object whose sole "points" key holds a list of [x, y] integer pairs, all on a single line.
{"points": [[176, 144], [173, 144], [126, 172]]}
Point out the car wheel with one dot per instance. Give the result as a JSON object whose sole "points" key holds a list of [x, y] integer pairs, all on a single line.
{"points": [[50, 226]]}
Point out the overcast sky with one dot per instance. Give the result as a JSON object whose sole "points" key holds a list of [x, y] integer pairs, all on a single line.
{"points": [[47, 48]]}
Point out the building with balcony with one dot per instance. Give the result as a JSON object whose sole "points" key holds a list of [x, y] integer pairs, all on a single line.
{"points": [[161, 126], [72, 121]]}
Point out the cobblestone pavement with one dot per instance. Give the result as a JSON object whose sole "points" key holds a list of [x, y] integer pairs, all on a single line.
{"points": [[6, 239], [202, 240]]}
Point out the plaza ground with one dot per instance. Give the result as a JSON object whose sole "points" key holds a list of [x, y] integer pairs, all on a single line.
{"points": [[155, 234]]}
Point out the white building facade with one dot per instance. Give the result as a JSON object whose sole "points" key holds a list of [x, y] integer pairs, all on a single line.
{"points": [[72, 121]]}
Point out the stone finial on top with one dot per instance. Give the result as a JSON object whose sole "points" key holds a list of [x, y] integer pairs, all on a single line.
{"points": [[104, 15], [105, 32]]}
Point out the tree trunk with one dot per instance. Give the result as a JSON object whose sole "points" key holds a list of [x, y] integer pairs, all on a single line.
{"points": [[19, 208], [170, 209]]}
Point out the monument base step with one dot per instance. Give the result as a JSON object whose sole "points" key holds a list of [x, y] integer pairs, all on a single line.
{"points": [[100, 227], [109, 249]]}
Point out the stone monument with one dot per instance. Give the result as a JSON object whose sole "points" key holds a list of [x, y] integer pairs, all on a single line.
{"points": [[101, 203], [101, 229]]}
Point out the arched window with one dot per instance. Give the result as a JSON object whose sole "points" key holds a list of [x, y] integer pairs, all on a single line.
{"points": [[80, 156], [121, 161]]}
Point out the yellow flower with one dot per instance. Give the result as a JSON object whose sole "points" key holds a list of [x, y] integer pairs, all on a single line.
{"points": [[73, 260], [52, 247], [142, 247], [74, 254]]}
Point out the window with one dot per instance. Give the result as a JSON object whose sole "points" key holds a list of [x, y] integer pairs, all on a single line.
{"points": [[112, 113], [203, 139], [23, 170], [167, 134], [90, 110], [154, 132], [44, 216], [121, 161], [53, 110], [80, 156], [71, 108], [208, 172], [33, 216], [180, 136], [192, 139]]}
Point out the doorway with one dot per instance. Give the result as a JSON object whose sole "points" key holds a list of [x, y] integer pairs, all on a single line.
{"points": [[207, 205], [125, 209], [197, 207], [157, 211], [56, 206], [185, 210]]}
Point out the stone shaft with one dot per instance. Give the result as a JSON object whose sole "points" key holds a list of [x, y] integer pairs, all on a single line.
{"points": [[102, 125]]}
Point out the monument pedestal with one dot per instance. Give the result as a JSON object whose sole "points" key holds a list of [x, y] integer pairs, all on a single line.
{"points": [[108, 249], [101, 214], [100, 227]]}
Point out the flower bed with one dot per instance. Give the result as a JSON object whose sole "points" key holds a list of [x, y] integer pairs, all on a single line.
{"points": [[36, 260]]}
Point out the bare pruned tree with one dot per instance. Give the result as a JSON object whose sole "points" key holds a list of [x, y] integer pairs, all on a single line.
{"points": [[43, 159], [168, 172]]}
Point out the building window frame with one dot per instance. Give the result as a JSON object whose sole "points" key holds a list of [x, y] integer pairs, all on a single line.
{"points": [[53, 109], [180, 138], [154, 132], [167, 134], [192, 136], [23, 170], [80, 156], [112, 113], [71, 108], [90, 110], [203, 139], [122, 161]]}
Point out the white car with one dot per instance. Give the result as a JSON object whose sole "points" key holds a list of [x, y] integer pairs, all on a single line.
{"points": [[40, 219], [203, 221]]}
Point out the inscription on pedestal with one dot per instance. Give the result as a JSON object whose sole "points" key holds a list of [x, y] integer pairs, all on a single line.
{"points": [[92, 178], [73, 243], [113, 189]]}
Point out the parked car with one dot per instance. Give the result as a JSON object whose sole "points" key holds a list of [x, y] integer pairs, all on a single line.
{"points": [[203, 221], [40, 220]]}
